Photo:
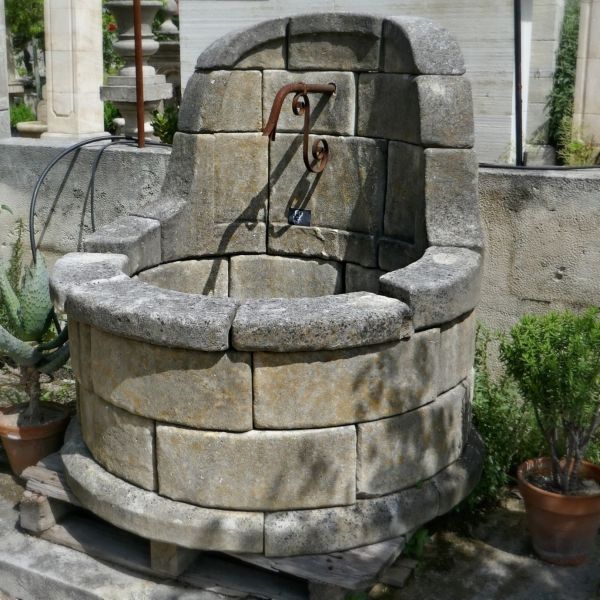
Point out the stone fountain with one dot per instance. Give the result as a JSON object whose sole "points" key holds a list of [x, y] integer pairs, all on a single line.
{"points": [[277, 361]]}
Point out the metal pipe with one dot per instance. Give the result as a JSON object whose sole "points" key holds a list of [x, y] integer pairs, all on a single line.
{"points": [[518, 86], [139, 71]]}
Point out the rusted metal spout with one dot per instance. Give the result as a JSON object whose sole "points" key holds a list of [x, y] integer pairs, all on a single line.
{"points": [[301, 106]]}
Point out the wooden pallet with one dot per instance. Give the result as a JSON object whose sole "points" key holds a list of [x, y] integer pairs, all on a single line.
{"points": [[51, 511]]}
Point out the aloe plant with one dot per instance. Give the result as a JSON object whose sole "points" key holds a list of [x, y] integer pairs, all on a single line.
{"points": [[29, 312]]}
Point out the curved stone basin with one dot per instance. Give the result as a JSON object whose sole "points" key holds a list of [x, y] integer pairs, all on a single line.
{"points": [[307, 420]]}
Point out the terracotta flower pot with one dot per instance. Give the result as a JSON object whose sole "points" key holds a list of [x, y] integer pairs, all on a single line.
{"points": [[26, 445], [563, 528]]}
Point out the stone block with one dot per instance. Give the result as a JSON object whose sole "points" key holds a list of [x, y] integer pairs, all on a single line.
{"points": [[404, 217], [187, 195], [402, 451], [322, 323], [457, 481], [457, 352], [263, 276], [140, 311], [396, 254], [170, 560], [359, 279], [207, 390], [419, 46], [429, 110], [241, 198], [339, 387], [81, 352], [348, 195], [78, 267], [260, 46], [151, 516], [321, 242], [137, 238], [368, 521], [442, 285], [38, 513], [330, 113], [451, 203], [209, 277], [344, 41], [234, 238], [121, 442], [258, 470], [222, 101]]}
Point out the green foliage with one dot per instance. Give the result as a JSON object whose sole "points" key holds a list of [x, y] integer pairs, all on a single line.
{"points": [[572, 149], [165, 124], [415, 547], [506, 424], [15, 266], [19, 113], [560, 103], [555, 360], [25, 21], [111, 112], [112, 61]]}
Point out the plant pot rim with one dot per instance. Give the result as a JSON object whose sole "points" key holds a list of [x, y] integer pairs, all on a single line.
{"points": [[28, 432], [544, 463]]}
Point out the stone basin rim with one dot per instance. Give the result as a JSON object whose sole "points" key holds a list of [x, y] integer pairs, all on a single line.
{"points": [[97, 289]]}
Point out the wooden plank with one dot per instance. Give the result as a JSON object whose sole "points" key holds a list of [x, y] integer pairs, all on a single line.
{"points": [[170, 560], [211, 572], [352, 569], [48, 478], [38, 513]]}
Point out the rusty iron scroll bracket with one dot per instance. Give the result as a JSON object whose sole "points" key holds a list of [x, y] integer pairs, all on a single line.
{"points": [[301, 106]]}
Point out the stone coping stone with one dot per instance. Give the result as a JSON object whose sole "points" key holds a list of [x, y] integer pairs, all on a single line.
{"points": [[374, 520], [152, 516], [418, 46], [322, 323], [244, 46], [76, 268], [441, 286], [134, 309], [139, 238], [344, 41]]}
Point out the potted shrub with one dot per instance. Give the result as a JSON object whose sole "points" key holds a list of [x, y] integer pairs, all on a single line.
{"points": [[555, 360], [32, 430]]}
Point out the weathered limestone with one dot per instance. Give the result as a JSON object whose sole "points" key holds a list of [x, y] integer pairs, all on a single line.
{"points": [[257, 47], [140, 311], [333, 114], [323, 323], [207, 390], [152, 516], [347, 195], [77, 267], [329, 388], [258, 470], [419, 46], [322, 242], [457, 351], [121, 442], [209, 277], [430, 110], [222, 101], [81, 352], [135, 237], [359, 279], [344, 41], [236, 237], [439, 287], [367, 521], [401, 451], [395, 254], [281, 277], [241, 176]]}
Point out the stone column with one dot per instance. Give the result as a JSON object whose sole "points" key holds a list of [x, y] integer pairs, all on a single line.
{"points": [[74, 69], [120, 89], [586, 117], [4, 107]]}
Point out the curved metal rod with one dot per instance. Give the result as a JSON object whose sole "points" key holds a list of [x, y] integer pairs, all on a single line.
{"points": [[301, 106]]}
